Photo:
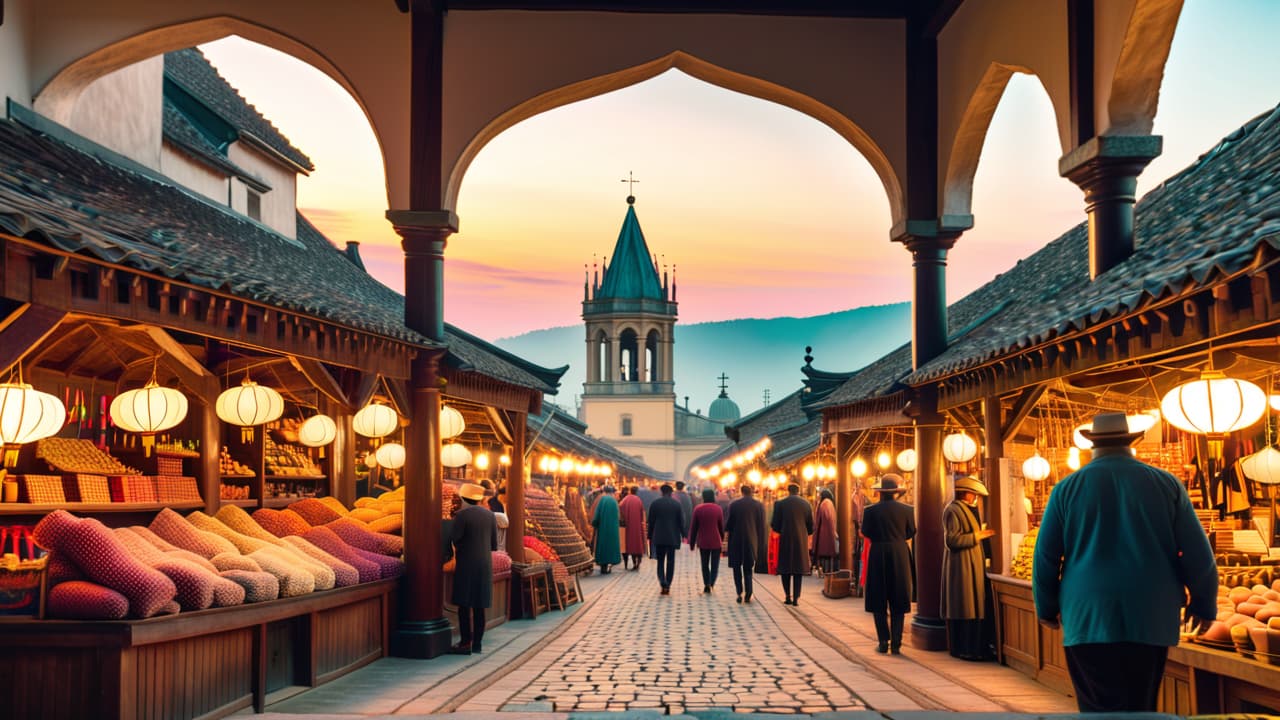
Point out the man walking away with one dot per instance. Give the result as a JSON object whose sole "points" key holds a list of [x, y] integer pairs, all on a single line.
{"points": [[793, 521], [1115, 526], [664, 535], [747, 541], [705, 533], [605, 521], [686, 505], [888, 524], [473, 538], [631, 515]]}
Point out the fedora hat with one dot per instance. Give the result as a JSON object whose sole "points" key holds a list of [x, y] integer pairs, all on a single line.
{"points": [[889, 484], [971, 484], [472, 492], [1110, 429]]}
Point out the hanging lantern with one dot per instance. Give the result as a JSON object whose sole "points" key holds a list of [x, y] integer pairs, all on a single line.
{"points": [[1036, 468], [451, 423], [959, 447], [1073, 458], [375, 420], [27, 415], [566, 465], [1079, 440], [884, 460], [858, 467], [317, 431], [482, 461], [714, 470], [1263, 466], [148, 410], [370, 460], [249, 405], [808, 472], [1214, 404], [454, 455], [390, 455], [754, 476], [907, 460], [504, 460]]}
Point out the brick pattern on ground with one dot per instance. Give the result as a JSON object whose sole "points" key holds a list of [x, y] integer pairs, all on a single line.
{"points": [[687, 651]]}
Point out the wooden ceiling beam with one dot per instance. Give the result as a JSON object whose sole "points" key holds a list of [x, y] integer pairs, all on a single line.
{"points": [[24, 329], [781, 8]]}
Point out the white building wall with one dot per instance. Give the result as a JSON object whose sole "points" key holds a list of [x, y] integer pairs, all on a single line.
{"points": [[123, 111], [651, 418], [15, 82], [279, 206], [193, 175]]}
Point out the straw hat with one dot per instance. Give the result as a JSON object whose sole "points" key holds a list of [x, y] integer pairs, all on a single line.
{"points": [[1110, 429], [472, 492], [971, 484], [889, 483]]}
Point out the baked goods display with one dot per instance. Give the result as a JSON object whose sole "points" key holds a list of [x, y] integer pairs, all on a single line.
{"points": [[71, 455]]}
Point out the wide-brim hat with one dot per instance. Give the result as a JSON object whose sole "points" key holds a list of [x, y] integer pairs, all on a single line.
{"points": [[971, 484], [889, 483], [1110, 428], [472, 492]]}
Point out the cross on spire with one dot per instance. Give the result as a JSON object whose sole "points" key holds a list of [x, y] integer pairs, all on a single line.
{"points": [[631, 182], [724, 384]]}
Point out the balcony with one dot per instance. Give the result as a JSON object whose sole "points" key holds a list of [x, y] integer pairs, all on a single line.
{"points": [[629, 388]]}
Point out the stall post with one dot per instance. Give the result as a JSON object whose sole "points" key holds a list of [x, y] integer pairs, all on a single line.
{"points": [[997, 509], [844, 511], [515, 489]]}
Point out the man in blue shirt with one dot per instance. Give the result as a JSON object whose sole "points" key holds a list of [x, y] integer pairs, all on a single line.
{"points": [[1119, 548]]}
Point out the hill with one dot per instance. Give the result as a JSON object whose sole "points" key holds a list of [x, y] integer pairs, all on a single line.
{"points": [[756, 354]]}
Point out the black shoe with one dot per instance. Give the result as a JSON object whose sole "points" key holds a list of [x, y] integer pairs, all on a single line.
{"points": [[739, 598], [787, 601], [460, 649], [882, 648], [746, 598], [475, 648], [895, 650], [706, 588], [795, 602]]}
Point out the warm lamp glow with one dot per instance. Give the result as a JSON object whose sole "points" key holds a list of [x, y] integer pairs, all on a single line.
{"points": [[808, 472], [375, 420], [454, 455], [907, 460], [504, 460], [27, 415], [482, 461], [149, 410], [884, 460], [858, 468], [451, 423], [959, 447], [1073, 458], [566, 465], [1214, 404], [1036, 468], [1263, 466], [249, 404], [754, 476], [391, 455], [318, 430]]}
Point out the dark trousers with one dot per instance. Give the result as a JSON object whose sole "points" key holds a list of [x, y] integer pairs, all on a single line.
{"points": [[744, 579], [1116, 677], [710, 565], [471, 625], [791, 585], [666, 555], [889, 628]]}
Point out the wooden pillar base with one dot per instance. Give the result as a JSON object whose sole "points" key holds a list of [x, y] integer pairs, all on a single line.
{"points": [[421, 639], [928, 633]]}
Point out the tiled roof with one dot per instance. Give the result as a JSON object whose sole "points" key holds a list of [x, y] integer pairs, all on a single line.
{"points": [[190, 70], [794, 444], [469, 352], [630, 273], [1205, 223], [179, 131], [556, 429]]}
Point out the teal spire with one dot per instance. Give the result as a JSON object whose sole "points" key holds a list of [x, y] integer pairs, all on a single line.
{"points": [[631, 273]]}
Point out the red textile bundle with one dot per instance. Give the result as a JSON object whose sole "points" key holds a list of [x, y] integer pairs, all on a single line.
{"points": [[81, 600], [96, 551], [314, 511], [174, 528], [344, 573], [359, 535], [541, 548], [328, 541], [170, 550], [388, 566], [281, 523], [501, 565], [60, 569]]}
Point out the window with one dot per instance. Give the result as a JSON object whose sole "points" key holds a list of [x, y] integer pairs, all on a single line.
{"points": [[253, 205], [626, 425]]}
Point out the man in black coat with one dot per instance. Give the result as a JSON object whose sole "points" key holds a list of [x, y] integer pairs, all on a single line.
{"points": [[747, 541], [473, 538], [793, 521], [888, 524], [666, 524], [686, 505]]}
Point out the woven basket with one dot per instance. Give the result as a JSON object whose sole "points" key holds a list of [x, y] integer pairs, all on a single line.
{"points": [[837, 584]]}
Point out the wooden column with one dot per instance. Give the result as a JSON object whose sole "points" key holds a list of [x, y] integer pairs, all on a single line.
{"points": [[343, 460], [210, 447], [515, 488], [844, 502], [1106, 168], [997, 509]]}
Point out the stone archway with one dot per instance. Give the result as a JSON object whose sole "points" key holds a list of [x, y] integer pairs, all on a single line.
{"points": [[1139, 71]]}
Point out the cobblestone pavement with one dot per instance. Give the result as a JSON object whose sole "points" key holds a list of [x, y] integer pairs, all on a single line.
{"points": [[636, 649]]}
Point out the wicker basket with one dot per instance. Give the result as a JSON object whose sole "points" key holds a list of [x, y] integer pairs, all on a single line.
{"points": [[837, 584]]}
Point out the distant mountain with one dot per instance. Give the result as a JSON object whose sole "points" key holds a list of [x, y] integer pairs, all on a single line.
{"points": [[756, 354]]}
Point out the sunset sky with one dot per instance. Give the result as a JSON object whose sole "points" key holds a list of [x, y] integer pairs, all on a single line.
{"points": [[765, 211]]}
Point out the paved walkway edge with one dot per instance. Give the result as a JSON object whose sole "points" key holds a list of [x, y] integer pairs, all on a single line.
{"points": [[577, 613]]}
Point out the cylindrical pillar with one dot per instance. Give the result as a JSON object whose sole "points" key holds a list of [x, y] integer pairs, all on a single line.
{"points": [[615, 359], [844, 503], [515, 488], [997, 509], [1106, 168]]}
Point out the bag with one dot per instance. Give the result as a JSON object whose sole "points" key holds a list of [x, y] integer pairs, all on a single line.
{"points": [[837, 584]]}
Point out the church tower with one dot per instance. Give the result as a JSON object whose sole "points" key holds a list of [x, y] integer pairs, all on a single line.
{"points": [[630, 313]]}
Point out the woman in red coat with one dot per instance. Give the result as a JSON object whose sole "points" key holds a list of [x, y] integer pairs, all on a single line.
{"points": [[823, 541], [631, 515], [706, 530]]}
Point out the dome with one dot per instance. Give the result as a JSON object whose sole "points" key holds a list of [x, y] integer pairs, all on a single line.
{"points": [[723, 409]]}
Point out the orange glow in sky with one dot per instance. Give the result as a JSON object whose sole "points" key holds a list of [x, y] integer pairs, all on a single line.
{"points": [[765, 211]]}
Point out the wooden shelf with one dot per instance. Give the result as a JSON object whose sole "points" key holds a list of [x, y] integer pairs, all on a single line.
{"points": [[237, 477], [185, 455], [295, 477], [241, 502], [89, 508]]}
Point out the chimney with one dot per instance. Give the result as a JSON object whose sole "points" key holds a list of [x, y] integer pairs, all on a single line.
{"points": [[353, 254]]}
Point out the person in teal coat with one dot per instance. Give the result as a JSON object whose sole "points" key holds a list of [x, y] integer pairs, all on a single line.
{"points": [[1119, 550], [605, 522]]}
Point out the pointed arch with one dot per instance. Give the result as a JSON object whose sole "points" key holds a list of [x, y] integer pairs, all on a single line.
{"points": [[1139, 73], [971, 136], [701, 70]]}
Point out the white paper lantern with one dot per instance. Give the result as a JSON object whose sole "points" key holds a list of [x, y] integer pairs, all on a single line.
{"points": [[884, 460], [375, 420], [1036, 468], [858, 467], [482, 461], [249, 404], [390, 455], [451, 423], [1214, 405], [1073, 458], [1263, 466], [959, 447], [454, 455], [149, 409], [907, 460], [317, 431], [27, 415]]}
